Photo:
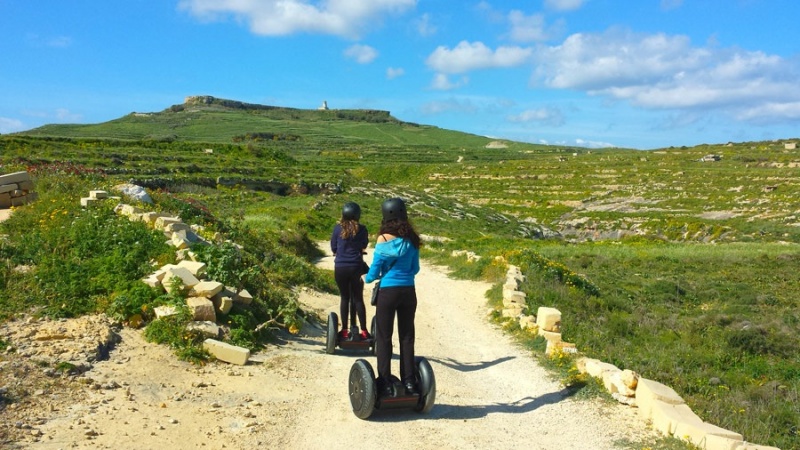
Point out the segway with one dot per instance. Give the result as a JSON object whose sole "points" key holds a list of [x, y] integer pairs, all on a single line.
{"points": [[354, 341], [364, 390]]}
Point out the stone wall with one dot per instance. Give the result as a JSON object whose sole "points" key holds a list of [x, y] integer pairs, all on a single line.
{"points": [[16, 189]]}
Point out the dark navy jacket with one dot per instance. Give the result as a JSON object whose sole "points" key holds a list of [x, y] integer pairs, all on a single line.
{"points": [[347, 252]]}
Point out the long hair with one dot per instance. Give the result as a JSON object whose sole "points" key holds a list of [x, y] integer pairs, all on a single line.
{"points": [[349, 228], [402, 228]]}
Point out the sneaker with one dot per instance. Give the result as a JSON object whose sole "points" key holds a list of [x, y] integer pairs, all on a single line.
{"points": [[364, 335], [344, 334]]}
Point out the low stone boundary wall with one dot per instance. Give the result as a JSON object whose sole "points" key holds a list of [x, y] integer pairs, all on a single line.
{"points": [[657, 403], [16, 189], [205, 298]]}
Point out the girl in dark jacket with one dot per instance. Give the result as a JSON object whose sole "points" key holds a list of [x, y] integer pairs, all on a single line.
{"points": [[348, 241]]}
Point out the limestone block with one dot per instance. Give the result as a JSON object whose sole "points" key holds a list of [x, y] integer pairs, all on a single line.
{"points": [[206, 289], [666, 416], [205, 328], [127, 210], [596, 368], [197, 269], [749, 446], [201, 308], [150, 217], [14, 178], [528, 323], [227, 352], [510, 286], [179, 241], [88, 201], [243, 297], [696, 433], [176, 226], [162, 220], [648, 391], [723, 443], [513, 297], [548, 319], [550, 336], [564, 347], [513, 311], [19, 201], [5, 200], [580, 363], [98, 194], [614, 384], [8, 188], [26, 185], [183, 274], [224, 299], [165, 311], [629, 378], [152, 281]]}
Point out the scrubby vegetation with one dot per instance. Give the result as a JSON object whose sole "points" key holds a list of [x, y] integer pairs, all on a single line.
{"points": [[678, 267]]}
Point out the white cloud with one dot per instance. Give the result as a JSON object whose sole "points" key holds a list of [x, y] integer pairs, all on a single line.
{"points": [[547, 116], [665, 72], [10, 125], [347, 18], [531, 28], [442, 82], [472, 56], [392, 72], [564, 5], [362, 54], [425, 27]]}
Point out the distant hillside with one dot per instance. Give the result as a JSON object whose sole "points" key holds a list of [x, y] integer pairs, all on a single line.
{"points": [[214, 120]]}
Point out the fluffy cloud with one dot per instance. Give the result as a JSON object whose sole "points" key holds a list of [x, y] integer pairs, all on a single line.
{"points": [[472, 56], [10, 125], [442, 82], [347, 18], [394, 72], [665, 72], [425, 27], [531, 28], [362, 54]]}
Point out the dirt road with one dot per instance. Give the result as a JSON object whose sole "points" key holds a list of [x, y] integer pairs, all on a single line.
{"points": [[490, 393]]}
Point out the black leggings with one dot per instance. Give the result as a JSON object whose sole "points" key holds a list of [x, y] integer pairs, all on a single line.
{"points": [[348, 279], [400, 301]]}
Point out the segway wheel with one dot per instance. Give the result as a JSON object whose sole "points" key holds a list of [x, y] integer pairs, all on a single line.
{"points": [[373, 348], [427, 385], [363, 391], [333, 326]]}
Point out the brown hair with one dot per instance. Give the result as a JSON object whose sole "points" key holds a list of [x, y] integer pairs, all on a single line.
{"points": [[402, 228], [349, 228]]}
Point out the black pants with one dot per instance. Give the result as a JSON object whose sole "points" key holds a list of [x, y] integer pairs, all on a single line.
{"points": [[402, 302], [348, 279]]}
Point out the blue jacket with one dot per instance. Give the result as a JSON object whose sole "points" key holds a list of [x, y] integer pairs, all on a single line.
{"points": [[405, 257], [347, 252]]}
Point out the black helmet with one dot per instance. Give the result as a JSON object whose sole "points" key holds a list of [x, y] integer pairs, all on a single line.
{"points": [[351, 211], [394, 208]]}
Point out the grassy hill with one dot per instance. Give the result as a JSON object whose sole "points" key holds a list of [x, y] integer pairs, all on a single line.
{"points": [[684, 257]]}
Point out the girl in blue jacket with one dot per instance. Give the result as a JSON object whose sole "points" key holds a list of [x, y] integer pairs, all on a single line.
{"points": [[395, 262]]}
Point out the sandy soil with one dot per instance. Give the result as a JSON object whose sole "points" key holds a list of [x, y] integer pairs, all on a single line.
{"points": [[490, 393]]}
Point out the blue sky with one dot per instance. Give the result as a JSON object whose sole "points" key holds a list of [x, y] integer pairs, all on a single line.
{"points": [[630, 73]]}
